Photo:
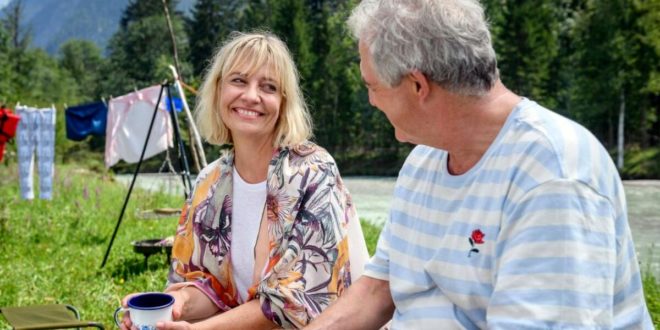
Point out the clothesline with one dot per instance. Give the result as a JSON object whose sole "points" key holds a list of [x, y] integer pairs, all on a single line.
{"points": [[121, 120]]}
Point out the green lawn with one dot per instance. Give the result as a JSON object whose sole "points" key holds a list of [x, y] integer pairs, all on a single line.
{"points": [[51, 251]]}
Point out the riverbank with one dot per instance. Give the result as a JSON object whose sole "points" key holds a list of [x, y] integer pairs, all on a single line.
{"points": [[70, 235], [372, 197]]}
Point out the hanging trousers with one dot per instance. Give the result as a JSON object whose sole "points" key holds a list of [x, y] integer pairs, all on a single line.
{"points": [[36, 133]]}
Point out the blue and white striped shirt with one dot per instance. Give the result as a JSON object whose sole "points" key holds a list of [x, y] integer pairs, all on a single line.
{"points": [[535, 235]]}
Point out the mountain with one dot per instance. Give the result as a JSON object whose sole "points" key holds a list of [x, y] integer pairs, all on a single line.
{"points": [[52, 22]]}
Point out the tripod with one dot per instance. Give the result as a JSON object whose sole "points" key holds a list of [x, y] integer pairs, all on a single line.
{"points": [[183, 161]]}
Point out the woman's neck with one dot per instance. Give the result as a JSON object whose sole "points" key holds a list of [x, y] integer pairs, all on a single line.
{"points": [[251, 159]]}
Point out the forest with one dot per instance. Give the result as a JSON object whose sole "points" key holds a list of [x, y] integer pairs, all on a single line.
{"points": [[594, 61]]}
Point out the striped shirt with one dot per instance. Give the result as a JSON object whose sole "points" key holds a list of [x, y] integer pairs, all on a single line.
{"points": [[535, 235]]}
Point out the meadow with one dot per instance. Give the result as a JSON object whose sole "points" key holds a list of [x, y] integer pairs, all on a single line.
{"points": [[51, 251]]}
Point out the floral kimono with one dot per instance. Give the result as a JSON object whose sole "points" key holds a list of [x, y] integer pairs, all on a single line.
{"points": [[307, 209]]}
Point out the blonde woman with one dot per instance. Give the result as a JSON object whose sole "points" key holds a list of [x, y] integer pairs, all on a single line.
{"points": [[263, 242]]}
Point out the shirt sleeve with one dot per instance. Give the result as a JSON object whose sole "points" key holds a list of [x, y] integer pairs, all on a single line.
{"points": [[312, 270], [557, 260]]}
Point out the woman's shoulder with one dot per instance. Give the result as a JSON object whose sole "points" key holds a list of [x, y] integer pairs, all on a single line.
{"points": [[225, 160], [309, 152]]}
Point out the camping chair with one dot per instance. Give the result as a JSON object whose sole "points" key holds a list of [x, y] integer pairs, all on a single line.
{"points": [[56, 316]]}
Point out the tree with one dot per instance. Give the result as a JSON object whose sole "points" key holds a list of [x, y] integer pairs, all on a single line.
{"points": [[19, 34], [82, 58], [349, 116], [16, 43], [5, 67], [140, 53], [525, 36], [139, 9], [648, 23], [211, 22], [604, 74], [256, 14]]}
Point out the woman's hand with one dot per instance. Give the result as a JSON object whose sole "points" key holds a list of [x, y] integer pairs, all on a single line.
{"points": [[180, 298], [126, 323], [178, 325]]}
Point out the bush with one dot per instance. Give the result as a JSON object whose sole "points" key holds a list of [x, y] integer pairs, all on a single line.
{"points": [[641, 163]]}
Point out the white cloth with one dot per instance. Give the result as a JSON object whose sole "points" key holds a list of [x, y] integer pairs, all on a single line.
{"points": [[359, 255], [128, 124], [36, 134], [248, 209]]}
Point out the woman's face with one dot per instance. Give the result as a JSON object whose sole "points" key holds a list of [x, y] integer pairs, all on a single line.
{"points": [[250, 105]]}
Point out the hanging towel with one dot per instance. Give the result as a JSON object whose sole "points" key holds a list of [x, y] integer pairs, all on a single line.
{"points": [[8, 124], [128, 124], [36, 134], [86, 119]]}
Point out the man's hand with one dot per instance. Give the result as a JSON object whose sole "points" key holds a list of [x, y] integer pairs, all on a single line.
{"points": [[366, 305]]}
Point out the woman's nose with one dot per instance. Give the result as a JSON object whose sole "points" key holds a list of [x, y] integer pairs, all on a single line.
{"points": [[251, 93]]}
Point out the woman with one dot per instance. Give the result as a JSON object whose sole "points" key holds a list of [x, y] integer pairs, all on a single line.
{"points": [[263, 242]]}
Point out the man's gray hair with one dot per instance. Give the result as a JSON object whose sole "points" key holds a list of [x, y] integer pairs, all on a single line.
{"points": [[446, 40]]}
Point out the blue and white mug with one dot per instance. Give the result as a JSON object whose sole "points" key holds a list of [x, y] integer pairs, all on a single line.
{"points": [[147, 309]]}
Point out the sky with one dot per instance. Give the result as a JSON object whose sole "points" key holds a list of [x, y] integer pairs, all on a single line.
{"points": [[3, 3]]}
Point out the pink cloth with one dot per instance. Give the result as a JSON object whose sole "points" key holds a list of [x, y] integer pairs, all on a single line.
{"points": [[128, 123]]}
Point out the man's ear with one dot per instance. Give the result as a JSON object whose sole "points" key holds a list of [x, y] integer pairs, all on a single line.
{"points": [[420, 83]]}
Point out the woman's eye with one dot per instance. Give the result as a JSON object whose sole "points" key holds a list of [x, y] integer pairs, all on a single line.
{"points": [[238, 80], [270, 88]]}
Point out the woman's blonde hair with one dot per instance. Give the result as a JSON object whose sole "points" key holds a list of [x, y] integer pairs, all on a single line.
{"points": [[251, 51]]}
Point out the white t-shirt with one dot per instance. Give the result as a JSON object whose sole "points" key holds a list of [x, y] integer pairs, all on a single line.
{"points": [[248, 207]]}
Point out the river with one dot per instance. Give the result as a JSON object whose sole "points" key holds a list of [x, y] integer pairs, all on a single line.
{"points": [[372, 197]]}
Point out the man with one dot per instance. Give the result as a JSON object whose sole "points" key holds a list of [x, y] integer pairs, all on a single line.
{"points": [[506, 215]]}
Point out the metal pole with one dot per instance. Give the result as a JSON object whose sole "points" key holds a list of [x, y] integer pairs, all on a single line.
{"points": [[183, 160], [137, 170], [191, 121]]}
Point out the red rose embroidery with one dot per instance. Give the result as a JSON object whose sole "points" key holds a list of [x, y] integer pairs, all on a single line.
{"points": [[477, 237]]}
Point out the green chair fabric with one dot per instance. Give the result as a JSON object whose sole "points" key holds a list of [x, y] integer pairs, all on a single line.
{"points": [[56, 316]]}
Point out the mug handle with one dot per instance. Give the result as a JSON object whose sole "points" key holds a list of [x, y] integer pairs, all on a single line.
{"points": [[117, 311]]}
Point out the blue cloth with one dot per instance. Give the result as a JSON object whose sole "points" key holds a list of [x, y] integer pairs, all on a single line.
{"points": [[178, 105], [86, 119]]}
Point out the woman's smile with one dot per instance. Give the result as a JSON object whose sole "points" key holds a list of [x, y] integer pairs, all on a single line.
{"points": [[248, 113]]}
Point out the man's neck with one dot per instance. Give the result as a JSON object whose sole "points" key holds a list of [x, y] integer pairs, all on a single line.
{"points": [[470, 125]]}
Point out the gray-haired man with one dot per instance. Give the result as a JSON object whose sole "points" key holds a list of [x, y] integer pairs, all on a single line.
{"points": [[506, 215]]}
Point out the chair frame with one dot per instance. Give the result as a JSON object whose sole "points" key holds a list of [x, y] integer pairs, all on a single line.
{"points": [[71, 308]]}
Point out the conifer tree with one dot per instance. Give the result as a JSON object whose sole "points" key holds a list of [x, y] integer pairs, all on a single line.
{"points": [[211, 22], [139, 9], [140, 52]]}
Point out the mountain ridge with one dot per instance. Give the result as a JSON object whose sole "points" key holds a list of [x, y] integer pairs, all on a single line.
{"points": [[53, 22]]}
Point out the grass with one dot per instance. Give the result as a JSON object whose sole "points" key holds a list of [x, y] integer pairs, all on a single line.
{"points": [[51, 251], [652, 294]]}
